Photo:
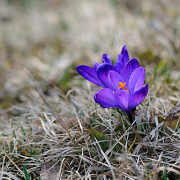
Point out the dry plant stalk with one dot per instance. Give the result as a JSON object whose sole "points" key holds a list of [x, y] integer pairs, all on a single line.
{"points": [[48, 105]]}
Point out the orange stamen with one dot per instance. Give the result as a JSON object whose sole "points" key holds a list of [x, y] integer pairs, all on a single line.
{"points": [[122, 86]]}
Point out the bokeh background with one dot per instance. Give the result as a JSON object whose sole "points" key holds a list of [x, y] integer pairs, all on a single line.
{"points": [[50, 37]]}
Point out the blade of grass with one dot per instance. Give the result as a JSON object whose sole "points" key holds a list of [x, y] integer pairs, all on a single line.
{"points": [[26, 173]]}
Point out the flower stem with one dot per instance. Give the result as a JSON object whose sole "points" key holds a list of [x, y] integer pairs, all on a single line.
{"points": [[132, 116]]}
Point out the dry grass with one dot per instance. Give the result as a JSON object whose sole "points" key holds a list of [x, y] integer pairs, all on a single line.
{"points": [[59, 132]]}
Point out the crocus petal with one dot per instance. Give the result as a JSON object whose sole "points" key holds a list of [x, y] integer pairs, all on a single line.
{"points": [[122, 59], [136, 80], [118, 65], [114, 80], [125, 55], [96, 65], [138, 97], [102, 73], [106, 98], [122, 98], [106, 59], [129, 68], [89, 74]]}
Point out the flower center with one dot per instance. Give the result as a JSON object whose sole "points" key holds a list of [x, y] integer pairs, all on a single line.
{"points": [[122, 86]]}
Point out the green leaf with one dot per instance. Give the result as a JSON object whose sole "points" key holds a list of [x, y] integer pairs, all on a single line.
{"points": [[100, 137], [26, 173], [23, 131], [14, 134]]}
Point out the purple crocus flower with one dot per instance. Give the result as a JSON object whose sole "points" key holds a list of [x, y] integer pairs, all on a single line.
{"points": [[122, 83]]}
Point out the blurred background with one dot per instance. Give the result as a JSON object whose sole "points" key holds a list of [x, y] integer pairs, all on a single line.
{"points": [[50, 37]]}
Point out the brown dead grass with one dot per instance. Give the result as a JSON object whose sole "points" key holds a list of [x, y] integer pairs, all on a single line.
{"points": [[49, 38]]}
